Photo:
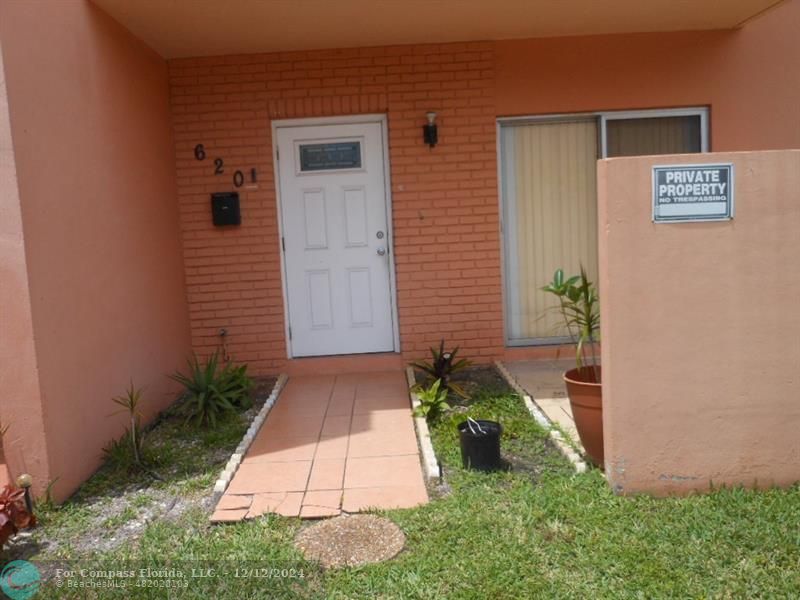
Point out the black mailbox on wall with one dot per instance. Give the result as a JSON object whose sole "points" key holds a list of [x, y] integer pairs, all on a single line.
{"points": [[225, 209]]}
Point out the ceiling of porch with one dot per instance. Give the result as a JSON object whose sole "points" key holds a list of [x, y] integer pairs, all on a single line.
{"points": [[180, 28]]}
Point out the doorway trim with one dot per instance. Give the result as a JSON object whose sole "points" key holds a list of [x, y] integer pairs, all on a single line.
{"points": [[382, 120]]}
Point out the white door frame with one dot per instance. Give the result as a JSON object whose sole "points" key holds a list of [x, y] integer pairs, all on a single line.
{"points": [[342, 120]]}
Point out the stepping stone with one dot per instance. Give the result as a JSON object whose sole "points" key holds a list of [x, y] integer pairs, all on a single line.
{"points": [[351, 540]]}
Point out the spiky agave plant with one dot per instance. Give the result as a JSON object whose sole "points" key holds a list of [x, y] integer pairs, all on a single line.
{"points": [[213, 391]]}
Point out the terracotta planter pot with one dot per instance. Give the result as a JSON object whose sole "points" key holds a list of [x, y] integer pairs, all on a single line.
{"points": [[586, 401]]}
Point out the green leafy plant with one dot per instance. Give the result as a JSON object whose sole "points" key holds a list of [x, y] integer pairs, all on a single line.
{"points": [[579, 305], [432, 401], [442, 366], [213, 389]]}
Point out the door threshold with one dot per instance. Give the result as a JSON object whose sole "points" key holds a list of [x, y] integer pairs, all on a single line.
{"points": [[344, 363]]}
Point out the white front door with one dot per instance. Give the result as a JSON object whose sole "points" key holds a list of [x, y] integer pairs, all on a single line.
{"points": [[335, 238]]}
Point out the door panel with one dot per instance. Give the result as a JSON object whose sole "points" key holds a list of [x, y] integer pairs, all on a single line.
{"points": [[336, 257], [315, 219]]}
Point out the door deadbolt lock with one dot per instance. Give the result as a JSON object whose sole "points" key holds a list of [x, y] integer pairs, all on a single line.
{"points": [[379, 235]]}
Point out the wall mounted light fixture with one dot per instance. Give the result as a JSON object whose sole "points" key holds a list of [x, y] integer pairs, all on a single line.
{"points": [[430, 133]]}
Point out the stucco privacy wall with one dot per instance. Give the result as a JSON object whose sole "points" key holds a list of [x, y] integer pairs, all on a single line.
{"points": [[91, 132], [445, 201], [24, 444], [446, 240], [713, 399]]}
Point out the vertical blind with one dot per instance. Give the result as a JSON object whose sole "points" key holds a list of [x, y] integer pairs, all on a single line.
{"points": [[654, 135], [550, 215], [550, 203]]}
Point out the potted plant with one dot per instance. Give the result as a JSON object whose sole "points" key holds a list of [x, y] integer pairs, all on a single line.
{"points": [[480, 444], [579, 306]]}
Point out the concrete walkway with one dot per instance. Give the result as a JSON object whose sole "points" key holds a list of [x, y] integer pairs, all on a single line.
{"points": [[330, 444], [542, 380]]}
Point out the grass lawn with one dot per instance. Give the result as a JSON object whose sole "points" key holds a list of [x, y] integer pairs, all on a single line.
{"points": [[538, 531]]}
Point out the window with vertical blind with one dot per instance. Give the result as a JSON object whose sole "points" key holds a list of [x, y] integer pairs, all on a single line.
{"points": [[643, 133], [549, 200]]}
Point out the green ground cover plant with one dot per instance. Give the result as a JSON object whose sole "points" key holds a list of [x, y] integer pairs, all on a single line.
{"points": [[432, 401]]}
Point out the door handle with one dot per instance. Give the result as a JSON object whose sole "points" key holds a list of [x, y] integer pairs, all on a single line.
{"points": [[381, 251]]}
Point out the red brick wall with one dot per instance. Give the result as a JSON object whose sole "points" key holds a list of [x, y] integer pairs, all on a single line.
{"points": [[445, 205]]}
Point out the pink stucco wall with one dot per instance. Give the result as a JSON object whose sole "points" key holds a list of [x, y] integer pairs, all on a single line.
{"points": [[24, 443], [699, 329], [746, 76], [90, 124]]}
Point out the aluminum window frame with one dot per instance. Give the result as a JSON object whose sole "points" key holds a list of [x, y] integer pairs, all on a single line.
{"points": [[623, 115], [506, 261]]}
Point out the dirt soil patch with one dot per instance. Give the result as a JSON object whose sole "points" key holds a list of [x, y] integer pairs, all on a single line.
{"points": [[115, 507]]}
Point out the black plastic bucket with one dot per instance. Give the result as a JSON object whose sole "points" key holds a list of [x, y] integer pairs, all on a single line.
{"points": [[480, 451]]}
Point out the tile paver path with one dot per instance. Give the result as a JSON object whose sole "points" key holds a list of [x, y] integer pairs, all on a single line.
{"points": [[543, 381], [330, 444]]}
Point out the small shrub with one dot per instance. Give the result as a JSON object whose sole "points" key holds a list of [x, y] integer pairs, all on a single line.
{"points": [[133, 440], [213, 390], [442, 366], [432, 401]]}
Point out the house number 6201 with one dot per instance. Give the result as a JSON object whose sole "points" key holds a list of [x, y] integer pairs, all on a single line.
{"points": [[219, 167]]}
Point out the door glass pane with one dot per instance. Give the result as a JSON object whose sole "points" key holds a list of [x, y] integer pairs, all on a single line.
{"points": [[330, 156], [550, 218], [656, 135]]}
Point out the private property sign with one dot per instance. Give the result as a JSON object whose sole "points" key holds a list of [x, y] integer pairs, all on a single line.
{"points": [[692, 193]]}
